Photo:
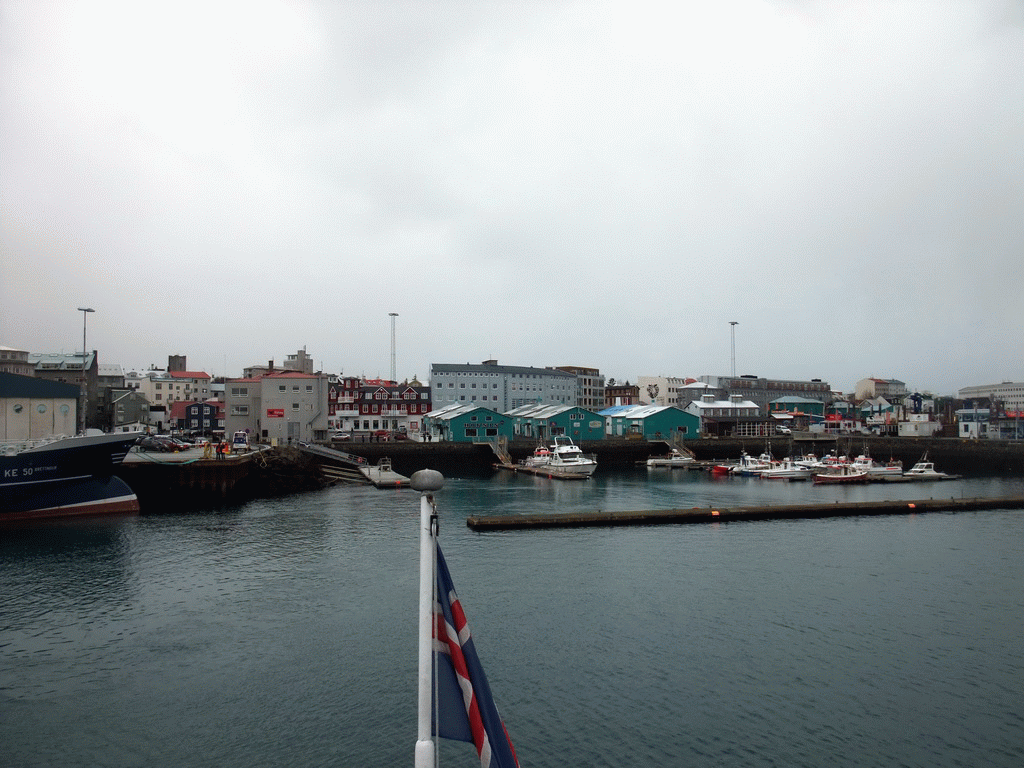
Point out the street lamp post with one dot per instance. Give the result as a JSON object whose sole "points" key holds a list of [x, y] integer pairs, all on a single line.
{"points": [[393, 315], [733, 324], [85, 376]]}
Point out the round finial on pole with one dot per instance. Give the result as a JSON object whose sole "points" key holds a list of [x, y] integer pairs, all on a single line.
{"points": [[426, 480]]}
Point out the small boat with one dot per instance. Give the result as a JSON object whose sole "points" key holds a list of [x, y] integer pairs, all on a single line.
{"points": [[787, 469], [568, 461], [925, 470], [674, 459], [721, 469], [840, 473], [875, 470], [541, 457], [66, 476], [751, 467]]}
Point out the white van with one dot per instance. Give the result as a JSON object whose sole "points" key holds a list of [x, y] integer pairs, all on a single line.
{"points": [[240, 442]]}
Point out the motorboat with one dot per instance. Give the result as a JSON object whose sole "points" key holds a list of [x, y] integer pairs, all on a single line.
{"points": [[840, 473], [787, 469], [925, 470], [540, 457], [675, 458], [568, 461], [751, 467], [875, 470]]}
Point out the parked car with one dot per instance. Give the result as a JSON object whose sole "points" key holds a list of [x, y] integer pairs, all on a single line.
{"points": [[382, 435], [400, 436], [341, 436], [153, 443], [179, 444]]}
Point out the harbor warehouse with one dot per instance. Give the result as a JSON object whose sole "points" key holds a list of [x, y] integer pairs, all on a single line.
{"points": [[651, 422], [545, 421], [466, 423]]}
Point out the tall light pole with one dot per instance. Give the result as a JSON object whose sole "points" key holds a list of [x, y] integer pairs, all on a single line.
{"points": [[733, 323], [85, 377], [393, 315]]}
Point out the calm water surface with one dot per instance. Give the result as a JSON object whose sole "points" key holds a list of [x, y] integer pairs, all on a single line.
{"points": [[282, 633]]}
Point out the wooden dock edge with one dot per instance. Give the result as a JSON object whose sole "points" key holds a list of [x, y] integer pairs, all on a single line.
{"points": [[719, 515]]}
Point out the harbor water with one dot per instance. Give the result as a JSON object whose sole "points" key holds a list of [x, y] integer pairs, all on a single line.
{"points": [[282, 633]]}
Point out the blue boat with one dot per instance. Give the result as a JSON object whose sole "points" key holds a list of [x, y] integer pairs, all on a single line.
{"points": [[66, 477]]}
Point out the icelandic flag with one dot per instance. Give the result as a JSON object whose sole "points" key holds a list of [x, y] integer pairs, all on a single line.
{"points": [[463, 707]]}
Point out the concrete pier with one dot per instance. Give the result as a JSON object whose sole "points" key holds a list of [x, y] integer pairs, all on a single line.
{"points": [[725, 514]]}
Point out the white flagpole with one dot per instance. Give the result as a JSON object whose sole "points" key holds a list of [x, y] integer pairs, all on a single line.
{"points": [[425, 481]]}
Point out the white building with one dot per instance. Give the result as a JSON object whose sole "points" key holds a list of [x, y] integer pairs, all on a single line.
{"points": [[499, 387], [662, 390], [278, 408], [1009, 394], [166, 387], [734, 412]]}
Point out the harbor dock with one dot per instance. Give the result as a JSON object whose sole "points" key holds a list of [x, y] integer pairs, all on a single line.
{"points": [[382, 475], [723, 515], [539, 471]]}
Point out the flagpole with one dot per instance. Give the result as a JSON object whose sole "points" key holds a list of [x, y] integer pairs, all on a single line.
{"points": [[425, 481]]}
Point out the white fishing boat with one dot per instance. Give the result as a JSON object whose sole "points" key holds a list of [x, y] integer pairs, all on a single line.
{"points": [[787, 469], [751, 467], [925, 470], [540, 457], [675, 458], [876, 470], [568, 461]]}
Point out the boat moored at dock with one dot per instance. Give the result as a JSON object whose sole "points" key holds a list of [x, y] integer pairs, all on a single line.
{"points": [[66, 476], [675, 458]]}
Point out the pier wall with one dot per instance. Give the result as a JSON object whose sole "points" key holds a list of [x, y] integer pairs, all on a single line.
{"points": [[285, 470], [955, 456]]}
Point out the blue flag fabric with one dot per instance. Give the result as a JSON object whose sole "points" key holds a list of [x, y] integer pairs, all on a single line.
{"points": [[464, 709]]}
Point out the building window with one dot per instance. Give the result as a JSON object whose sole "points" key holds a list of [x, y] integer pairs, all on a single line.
{"points": [[295, 406]]}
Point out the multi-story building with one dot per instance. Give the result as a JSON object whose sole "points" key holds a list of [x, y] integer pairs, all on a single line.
{"points": [[763, 391], [733, 417], [300, 362], [590, 386], [126, 407], [72, 369], [616, 393], [15, 361], [662, 390], [500, 387], [279, 408], [366, 405], [168, 387], [891, 389], [200, 418], [1008, 396]]}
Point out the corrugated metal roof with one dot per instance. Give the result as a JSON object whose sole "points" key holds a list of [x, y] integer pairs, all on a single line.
{"points": [[635, 411]]}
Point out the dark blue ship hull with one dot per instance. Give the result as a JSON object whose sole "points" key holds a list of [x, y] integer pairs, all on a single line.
{"points": [[74, 476]]}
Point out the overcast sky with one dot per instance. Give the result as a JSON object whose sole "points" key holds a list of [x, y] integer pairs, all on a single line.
{"points": [[605, 184]]}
